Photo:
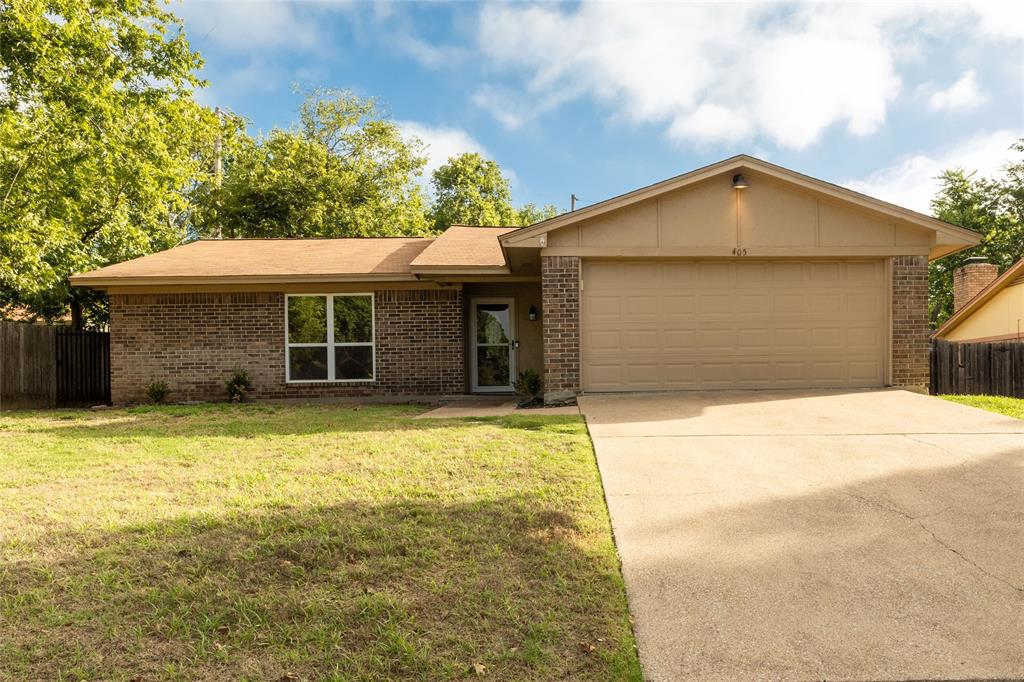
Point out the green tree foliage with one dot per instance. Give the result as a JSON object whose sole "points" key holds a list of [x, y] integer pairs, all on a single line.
{"points": [[343, 171], [531, 213], [100, 141], [992, 206], [471, 190]]}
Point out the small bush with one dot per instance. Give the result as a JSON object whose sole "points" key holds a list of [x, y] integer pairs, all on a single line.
{"points": [[527, 385], [238, 386], [157, 392]]}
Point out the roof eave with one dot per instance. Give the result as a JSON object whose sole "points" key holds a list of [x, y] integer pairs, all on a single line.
{"points": [[461, 270], [102, 282]]}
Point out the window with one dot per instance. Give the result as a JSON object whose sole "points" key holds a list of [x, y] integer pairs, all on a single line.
{"points": [[329, 337]]}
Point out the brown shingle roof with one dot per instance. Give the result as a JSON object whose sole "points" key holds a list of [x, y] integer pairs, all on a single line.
{"points": [[267, 260], [465, 247]]}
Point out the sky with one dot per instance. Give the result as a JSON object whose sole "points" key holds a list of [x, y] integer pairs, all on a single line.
{"points": [[598, 99]]}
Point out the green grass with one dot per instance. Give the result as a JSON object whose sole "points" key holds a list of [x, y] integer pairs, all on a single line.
{"points": [[323, 542], [1011, 407]]}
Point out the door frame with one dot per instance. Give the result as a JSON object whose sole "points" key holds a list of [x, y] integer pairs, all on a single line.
{"points": [[512, 346]]}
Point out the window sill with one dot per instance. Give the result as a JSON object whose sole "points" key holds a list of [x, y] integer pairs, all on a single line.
{"points": [[330, 382]]}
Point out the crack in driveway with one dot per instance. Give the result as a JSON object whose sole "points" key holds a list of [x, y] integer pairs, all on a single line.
{"points": [[878, 504]]}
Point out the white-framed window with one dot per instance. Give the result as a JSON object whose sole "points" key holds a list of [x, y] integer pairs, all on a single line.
{"points": [[329, 337]]}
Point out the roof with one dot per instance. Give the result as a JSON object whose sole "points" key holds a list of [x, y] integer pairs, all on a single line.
{"points": [[267, 260], [463, 248], [958, 237], [460, 250], [1013, 275]]}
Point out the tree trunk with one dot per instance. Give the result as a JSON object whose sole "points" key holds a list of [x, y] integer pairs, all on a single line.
{"points": [[76, 313]]}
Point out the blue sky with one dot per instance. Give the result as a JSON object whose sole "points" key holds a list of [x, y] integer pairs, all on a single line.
{"points": [[601, 98]]}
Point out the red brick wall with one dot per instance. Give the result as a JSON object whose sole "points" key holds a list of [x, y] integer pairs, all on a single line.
{"points": [[971, 279], [560, 298], [195, 341], [910, 333]]}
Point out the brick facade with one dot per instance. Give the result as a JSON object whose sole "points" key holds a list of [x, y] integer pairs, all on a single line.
{"points": [[910, 333], [560, 296], [195, 341], [970, 279]]}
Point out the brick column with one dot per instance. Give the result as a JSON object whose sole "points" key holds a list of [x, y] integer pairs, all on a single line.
{"points": [[910, 333], [560, 298]]}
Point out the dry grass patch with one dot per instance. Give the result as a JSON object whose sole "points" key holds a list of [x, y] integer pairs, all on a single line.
{"points": [[325, 542]]}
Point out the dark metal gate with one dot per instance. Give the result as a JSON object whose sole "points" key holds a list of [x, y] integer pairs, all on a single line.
{"points": [[83, 368]]}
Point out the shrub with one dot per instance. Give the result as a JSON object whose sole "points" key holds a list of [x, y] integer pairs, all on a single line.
{"points": [[238, 386], [157, 392], [527, 385]]}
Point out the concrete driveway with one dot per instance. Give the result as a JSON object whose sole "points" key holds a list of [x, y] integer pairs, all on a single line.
{"points": [[839, 535]]}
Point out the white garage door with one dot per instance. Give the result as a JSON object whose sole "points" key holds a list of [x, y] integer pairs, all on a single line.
{"points": [[650, 325]]}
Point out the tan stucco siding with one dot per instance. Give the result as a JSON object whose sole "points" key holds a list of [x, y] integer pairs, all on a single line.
{"points": [[1002, 316], [768, 218]]}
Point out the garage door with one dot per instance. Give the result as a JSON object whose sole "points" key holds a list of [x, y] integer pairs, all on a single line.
{"points": [[753, 324]]}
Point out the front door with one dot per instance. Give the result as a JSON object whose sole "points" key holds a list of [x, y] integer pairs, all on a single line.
{"points": [[493, 358]]}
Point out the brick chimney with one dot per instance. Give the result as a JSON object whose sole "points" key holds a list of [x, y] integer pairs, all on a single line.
{"points": [[970, 278]]}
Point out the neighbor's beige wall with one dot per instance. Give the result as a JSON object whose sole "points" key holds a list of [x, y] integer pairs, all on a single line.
{"points": [[768, 218], [530, 354], [1001, 316]]}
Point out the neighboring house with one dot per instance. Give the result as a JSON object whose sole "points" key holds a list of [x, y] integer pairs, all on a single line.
{"points": [[738, 275], [986, 306]]}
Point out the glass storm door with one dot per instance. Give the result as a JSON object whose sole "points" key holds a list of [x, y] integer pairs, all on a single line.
{"points": [[493, 357]]}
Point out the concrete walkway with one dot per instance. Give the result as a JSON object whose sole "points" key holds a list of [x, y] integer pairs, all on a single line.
{"points": [[490, 406], [855, 535]]}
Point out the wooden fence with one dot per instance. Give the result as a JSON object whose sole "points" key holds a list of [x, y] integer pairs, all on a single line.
{"points": [[28, 377], [83, 367], [44, 367], [977, 368]]}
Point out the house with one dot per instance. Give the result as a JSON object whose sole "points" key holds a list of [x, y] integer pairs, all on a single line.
{"points": [[739, 275], [986, 306]]}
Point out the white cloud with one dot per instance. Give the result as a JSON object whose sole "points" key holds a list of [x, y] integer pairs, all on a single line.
{"points": [[963, 95], [252, 26], [427, 54], [510, 108], [1000, 18], [442, 143], [711, 123], [721, 72], [911, 180]]}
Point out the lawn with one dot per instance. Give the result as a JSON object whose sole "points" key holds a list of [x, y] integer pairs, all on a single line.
{"points": [[1011, 407], [319, 542]]}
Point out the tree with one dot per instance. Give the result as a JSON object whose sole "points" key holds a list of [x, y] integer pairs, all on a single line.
{"points": [[993, 207], [342, 171], [471, 190], [101, 142], [531, 213]]}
